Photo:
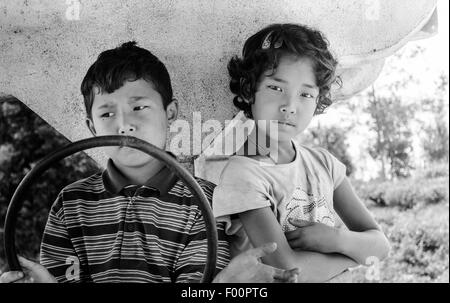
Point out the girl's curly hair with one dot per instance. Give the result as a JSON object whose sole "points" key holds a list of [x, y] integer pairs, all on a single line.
{"points": [[263, 51]]}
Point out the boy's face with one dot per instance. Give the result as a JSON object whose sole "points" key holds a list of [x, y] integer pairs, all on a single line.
{"points": [[136, 109], [288, 96]]}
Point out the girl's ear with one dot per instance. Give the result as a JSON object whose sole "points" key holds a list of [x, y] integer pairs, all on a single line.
{"points": [[172, 110], [316, 111], [90, 125]]}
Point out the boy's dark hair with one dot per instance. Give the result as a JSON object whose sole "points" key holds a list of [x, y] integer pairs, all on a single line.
{"points": [[127, 62], [263, 51]]}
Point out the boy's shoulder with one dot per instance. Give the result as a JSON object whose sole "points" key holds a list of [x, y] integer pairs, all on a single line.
{"points": [[89, 188], [206, 186], [84, 189], [93, 183], [204, 183]]}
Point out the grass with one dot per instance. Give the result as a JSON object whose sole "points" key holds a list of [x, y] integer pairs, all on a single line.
{"points": [[420, 245]]}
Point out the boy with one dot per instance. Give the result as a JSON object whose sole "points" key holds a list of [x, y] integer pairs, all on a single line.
{"points": [[135, 221]]}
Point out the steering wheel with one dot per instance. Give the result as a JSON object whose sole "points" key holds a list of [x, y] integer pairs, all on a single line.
{"points": [[17, 200]]}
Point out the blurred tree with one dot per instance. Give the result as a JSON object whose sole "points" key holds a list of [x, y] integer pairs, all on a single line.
{"points": [[333, 139], [384, 117], [392, 111], [24, 139], [436, 141], [390, 122]]}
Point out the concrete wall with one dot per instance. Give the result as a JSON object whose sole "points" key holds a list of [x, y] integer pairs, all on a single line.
{"points": [[46, 46]]}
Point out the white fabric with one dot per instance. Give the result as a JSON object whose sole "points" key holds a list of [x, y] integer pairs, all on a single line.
{"points": [[300, 189]]}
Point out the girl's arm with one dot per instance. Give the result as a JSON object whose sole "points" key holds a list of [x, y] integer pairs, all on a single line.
{"points": [[364, 237], [262, 227]]}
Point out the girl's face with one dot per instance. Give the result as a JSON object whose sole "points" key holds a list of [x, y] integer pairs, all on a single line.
{"points": [[288, 97]]}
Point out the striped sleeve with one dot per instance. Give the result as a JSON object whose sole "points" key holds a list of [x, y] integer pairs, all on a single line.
{"points": [[57, 252], [191, 262]]}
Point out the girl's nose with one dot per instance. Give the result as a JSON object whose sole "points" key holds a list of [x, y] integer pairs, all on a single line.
{"points": [[288, 109], [289, 105]]}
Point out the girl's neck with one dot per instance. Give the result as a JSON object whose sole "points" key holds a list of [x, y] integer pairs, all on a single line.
{"points": [[280, 152]]}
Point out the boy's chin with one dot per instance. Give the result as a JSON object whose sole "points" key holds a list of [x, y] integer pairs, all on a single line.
{"points": [[131, 158]]}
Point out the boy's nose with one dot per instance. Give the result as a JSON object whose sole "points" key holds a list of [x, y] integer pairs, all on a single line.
{"points": [[125, 129]]}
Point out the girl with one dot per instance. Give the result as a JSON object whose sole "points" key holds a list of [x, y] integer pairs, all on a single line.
{"points": [[284, 192]]}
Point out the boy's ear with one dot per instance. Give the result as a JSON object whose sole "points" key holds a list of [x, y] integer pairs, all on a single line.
{"points": [[91, 127], [172, 110]]}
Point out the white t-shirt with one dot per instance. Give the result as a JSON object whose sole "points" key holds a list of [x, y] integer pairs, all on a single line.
{"points": [[300, 189]]}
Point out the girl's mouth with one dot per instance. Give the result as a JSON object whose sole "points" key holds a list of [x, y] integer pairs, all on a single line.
{"points": [[287, 123]]}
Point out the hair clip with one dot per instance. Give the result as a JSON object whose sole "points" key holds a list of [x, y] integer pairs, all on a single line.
{"points": [[279, 42], [266, 41], [267, 44]]}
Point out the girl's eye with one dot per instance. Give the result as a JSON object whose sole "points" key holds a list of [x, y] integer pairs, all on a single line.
{"points": [[137, 108], [107, 115], [274, 87], [306, 95]]}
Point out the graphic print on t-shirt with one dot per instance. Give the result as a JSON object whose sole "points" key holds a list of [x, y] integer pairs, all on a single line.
{"points": [[306, 206]]}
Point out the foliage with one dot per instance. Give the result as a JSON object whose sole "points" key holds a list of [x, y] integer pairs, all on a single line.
{"points": [[433, 170], [419, 244], [403, 104], [333, 139], [390, 122], [405, 193], [436, 141], [24, 139], [415, 218]]}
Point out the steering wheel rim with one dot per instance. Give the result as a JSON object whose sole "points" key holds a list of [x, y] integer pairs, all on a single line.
{"points": [[16, 202]]}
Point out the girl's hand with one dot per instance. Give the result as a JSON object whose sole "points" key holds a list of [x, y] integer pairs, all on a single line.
{"points": [[313, 236]]}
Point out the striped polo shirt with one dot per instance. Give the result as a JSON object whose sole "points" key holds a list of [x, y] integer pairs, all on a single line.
{"points": [[104, 229]]}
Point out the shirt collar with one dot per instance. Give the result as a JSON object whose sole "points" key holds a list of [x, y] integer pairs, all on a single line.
{"points": [[114, 181]]}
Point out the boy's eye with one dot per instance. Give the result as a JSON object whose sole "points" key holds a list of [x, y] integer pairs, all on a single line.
{"points": [[107, 115], [137, 108], [274, 87]]}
